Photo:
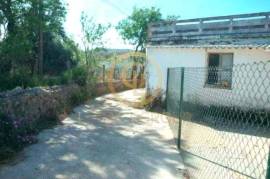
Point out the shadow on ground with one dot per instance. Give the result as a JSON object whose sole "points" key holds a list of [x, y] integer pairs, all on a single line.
{"points": [[102, 139]]}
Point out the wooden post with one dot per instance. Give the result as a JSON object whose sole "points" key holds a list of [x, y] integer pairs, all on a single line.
{"points": [[181, 107], [114, 74], [103, 73]]}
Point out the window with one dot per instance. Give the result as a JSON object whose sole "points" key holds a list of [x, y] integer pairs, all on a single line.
{"points": [[220, 70]]}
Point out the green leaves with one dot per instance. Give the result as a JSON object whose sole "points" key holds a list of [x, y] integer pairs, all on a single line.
{"points": [[92, 31], [92, 37], [31, 33], [134, 28]]}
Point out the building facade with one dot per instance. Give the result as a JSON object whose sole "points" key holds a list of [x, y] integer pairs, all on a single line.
{"points": [[225, 44]]}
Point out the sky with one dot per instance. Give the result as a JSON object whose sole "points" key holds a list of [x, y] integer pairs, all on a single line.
{"points": [[113, 11]]}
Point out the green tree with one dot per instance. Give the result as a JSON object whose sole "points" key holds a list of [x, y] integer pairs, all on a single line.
{"points": [[172, 18], [32, 40], [135, 27], [58, 56], [44, 16], [92, 38], [26, 21]]}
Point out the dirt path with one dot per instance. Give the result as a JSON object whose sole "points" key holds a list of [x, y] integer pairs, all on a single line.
{"points": [[103, 139]]}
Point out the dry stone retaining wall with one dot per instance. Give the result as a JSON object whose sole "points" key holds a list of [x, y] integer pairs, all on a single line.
{"points": [[48, 102], [37, 103]]}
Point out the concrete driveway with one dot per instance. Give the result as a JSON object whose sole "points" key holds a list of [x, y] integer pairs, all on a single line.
{"points": [[104, 138]]}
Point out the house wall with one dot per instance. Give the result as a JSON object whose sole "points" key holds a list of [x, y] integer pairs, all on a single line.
{"points": [[160, 59], [247, 80]]}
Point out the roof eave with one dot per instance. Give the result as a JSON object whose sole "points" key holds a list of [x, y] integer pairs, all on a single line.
{"points": [[265, 47]]}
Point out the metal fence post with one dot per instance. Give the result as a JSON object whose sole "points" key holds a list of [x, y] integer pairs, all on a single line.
{"points": [[167, 88], [181, 107]]}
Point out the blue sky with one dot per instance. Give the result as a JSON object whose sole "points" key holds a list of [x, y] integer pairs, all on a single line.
{"points": [[112, 11]]}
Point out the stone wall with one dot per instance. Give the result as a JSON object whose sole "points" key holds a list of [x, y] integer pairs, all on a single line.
{"points": [[118, 86], [37, 103], [49, 102]]}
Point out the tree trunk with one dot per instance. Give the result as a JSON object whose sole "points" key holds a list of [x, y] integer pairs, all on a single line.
{"points": [[134, 66], [10, 17], [41, 35], [141, 76], [41, 52]]}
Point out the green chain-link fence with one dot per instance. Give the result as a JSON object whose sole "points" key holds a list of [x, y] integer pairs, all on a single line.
{"points": [[221, 119]]}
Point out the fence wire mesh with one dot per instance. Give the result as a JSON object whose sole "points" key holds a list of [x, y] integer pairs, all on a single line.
{"points": [[224, 118], [173, 99]]}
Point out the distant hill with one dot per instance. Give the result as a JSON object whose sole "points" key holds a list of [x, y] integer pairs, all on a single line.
{"points": [[110, 52]]}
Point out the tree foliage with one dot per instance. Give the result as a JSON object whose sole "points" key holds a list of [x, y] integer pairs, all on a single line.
{"points": [[134, 28], [92, 37], [32, 39], [172, 18]]}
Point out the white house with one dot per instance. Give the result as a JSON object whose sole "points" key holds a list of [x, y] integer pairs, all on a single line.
{"points": [[225, 42]]}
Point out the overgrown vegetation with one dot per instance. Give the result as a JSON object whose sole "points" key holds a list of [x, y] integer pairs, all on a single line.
{"points": [[34, 48], [16, 133], [36, 51], [153, 102], [33, 44], [79, 98]]}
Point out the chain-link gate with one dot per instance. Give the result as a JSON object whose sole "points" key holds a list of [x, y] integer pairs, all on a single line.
{"points": [[221, 119]]}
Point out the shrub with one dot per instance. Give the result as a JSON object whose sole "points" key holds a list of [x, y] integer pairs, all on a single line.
{"points": [[19, 78], [79, 97], [78, 75], [15, 133], [25, 80], [153, 101], [51, 81]]}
